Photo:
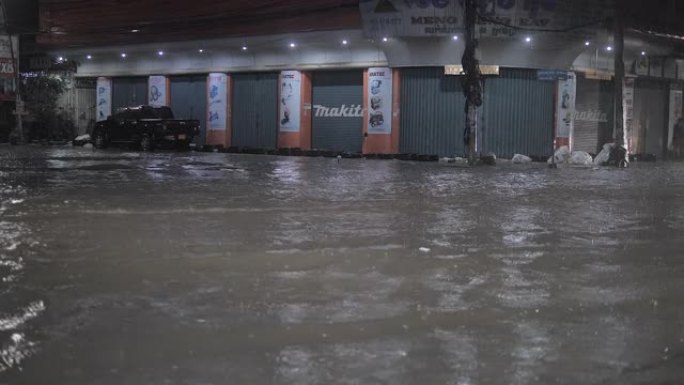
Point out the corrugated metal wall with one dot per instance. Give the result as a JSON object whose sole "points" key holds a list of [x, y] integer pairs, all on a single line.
{"points": [[594, 116], [189, 100], [255, 110], [333, 89], [517, 114], [432, 112], [86, 109], [651, 104], [128, 92]]}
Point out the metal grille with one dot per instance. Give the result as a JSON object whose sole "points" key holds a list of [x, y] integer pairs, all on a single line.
{"points": [[255, 110]]}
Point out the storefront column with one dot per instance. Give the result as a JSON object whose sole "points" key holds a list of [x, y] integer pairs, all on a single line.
{"points": [[219, 119], [294, 110], [381, 111]]}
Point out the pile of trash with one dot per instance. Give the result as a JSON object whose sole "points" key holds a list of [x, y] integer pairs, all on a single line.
{"points": [[82, 140], [610, 155]]}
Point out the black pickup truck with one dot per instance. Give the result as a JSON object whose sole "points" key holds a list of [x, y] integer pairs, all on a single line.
{"points": [[145, 126]]}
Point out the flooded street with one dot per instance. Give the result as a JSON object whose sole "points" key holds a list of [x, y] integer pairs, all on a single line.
{"points": [[191, 268]]}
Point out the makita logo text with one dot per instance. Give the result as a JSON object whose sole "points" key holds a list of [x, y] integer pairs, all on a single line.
{"points": [[591, 116], [353, 111]]}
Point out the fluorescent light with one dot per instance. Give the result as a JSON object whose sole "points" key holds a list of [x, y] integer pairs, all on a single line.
{"points": [[135, 30]]}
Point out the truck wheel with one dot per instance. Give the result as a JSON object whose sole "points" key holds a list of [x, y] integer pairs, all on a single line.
{"points": [[100, 140], [146, 143]]}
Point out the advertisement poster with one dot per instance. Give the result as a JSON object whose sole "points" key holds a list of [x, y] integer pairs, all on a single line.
{"points": [[104, 98], [675, 113], [565, 108], [379, 101], [217, 101], [628, 114], [157, 91], [290, 101]]}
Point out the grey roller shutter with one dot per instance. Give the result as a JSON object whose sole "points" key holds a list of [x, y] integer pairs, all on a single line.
{"points": [[337, 93], [189, 100], [128, 92], [255, 110]]}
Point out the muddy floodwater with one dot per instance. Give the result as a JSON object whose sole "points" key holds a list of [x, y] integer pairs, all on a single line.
{"points": [[193, 268]]}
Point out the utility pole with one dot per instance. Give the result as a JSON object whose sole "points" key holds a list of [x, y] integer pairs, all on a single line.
{"points": [[472, 85], [18, 132], [619, 42]]}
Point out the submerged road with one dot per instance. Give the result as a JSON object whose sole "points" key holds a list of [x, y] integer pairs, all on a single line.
{"points": [[127, 268]]}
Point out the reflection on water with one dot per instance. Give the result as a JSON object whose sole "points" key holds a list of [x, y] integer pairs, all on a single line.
{"points": [[193, 268]]}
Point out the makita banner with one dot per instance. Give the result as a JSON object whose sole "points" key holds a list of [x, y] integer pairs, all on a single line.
{"points": [[290, 101], [157, 91], [498, 18], [104, 98], [217, 102], [379, 101]]}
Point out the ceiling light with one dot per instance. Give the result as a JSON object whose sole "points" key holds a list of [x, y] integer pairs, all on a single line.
{"points": [[344, 42], [455, 37], [135, 30], [643, 53], [244, 48], [609, 48], [385, 39], [89, 57], [292, 45], [60, 59], [201, 50], [528, 39], [123, 55], [160, 53], [586, 43]]}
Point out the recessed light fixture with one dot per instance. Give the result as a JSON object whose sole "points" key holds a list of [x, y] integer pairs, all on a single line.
{"points": [[609, 48], [345, 42], [244, 48], [292, 45], [135, 30], [586, 43], [160, 53], [89, 57], [643, 53], [528, 39], [200, 50], [60, 59], [384, 39], [123, 55], [455, 37]]}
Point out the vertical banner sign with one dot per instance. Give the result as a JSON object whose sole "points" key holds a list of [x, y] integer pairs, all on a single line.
{"points": [[628, 114], [157, 91], [565, 106], [290, 101], [675, 114], [217, 102], [104, 98], [379, 101]]}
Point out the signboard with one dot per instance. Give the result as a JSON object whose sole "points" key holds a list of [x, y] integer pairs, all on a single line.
{"points": [[498, 18], [552, 75], [379, 100], [628, 113], [290, 105], [157, 91], [104, 98], [217, 102], [6, 49], [565, 106], [457, 69]]}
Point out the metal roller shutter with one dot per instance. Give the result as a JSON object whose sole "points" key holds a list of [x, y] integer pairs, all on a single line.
{"points": [[128, 92], [432, 112], [336, 97], [255, 110], [650, 116], [594, 117], [189, 100], [517, 115]]}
